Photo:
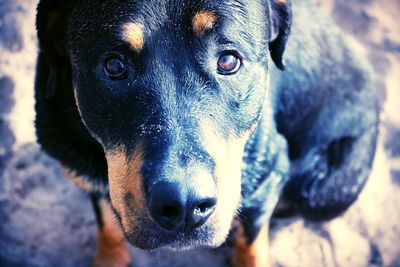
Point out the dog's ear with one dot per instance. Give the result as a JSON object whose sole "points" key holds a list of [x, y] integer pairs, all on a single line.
{"points": [[281, 21], [51, 25]]}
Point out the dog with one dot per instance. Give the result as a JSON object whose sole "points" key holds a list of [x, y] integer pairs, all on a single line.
{"points": [[192, 118]]}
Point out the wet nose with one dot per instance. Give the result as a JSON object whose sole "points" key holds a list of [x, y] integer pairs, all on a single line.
{"points": [[178, 206]]}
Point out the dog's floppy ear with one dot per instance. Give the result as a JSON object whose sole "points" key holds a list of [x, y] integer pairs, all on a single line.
{"points": [[281, 21], [51, 24]]}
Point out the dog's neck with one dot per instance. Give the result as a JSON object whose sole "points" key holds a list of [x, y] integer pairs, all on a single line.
{"points": [[265, 161]]}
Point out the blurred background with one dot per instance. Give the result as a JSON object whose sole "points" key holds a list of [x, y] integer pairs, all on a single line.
{"points": [[46, 221]]}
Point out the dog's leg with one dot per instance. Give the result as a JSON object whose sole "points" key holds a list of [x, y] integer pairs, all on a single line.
{"points": [[112, 248], [261, 188], [252, 253], [328, 180]]}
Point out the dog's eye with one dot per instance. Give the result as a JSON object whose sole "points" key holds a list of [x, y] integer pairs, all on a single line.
{"points": [[115, 69], [228, 63]]}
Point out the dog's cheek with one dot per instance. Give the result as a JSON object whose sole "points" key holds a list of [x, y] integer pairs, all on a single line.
{"points": [[228, 157], [126, 185], [228, 175], [78, 107]]}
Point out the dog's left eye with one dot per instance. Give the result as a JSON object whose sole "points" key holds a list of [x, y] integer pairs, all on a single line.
{"points": [[115, 68], [228, 63]]}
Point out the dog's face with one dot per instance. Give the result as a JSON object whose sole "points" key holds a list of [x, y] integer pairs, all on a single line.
{"points": [[172, 91]]}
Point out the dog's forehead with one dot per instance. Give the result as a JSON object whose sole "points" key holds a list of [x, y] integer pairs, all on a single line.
{"points": [[153, 13], [200, 22], [134, 19]]}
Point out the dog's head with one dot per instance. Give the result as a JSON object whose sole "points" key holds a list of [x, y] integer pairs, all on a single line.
{"points": [[172, 91]]}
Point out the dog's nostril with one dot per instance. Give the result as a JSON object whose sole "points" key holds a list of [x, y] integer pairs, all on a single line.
{"points": [[205, 206], [167, 205], [202, 211], [170, 211], [174, 210]]}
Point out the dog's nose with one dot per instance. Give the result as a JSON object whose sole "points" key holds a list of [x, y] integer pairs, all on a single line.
{"points": [[175, 207]]}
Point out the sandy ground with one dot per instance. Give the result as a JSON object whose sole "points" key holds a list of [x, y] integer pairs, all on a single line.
{"points": [[46, 221]]}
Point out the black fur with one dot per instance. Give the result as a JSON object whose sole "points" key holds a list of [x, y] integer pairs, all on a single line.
{"points": [[328, 111], [317, 124]]}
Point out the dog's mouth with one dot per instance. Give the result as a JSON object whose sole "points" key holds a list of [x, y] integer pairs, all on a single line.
{"points": [[142, 232]]}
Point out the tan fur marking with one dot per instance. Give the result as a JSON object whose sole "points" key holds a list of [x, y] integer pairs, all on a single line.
{"points": [[203, 22], [133, 34], [124, 178], [281, 2], [255, 254], [78, 180], [227, 154], [112, 248], [135, 183], [228, 157], [228, 167]]}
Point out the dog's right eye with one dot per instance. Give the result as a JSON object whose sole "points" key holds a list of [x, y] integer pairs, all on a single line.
{"points": [[115, 68], [228, 63]]}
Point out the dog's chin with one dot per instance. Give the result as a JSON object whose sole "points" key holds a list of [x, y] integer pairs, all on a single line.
{"points": [[154, 238], [186, 244]]}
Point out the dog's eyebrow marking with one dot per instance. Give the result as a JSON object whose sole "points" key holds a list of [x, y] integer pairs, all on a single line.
{"points": [[204, 21], [132, 33]]}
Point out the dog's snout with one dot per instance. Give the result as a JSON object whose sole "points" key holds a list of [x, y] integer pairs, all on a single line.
{"points": [[178, 206]]}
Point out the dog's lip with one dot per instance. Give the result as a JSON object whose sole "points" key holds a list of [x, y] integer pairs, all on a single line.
{"points": [[180, 241], [182, 233], [183, 246], [177, 240]]}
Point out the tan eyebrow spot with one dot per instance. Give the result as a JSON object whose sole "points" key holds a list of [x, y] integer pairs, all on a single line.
{"points": [[203, 22], [133, 33]]}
